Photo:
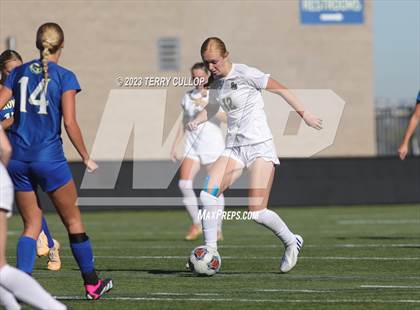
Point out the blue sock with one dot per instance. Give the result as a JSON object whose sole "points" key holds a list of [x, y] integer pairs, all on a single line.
{"points": [[47, 232], [82, 252], [26, 252]]}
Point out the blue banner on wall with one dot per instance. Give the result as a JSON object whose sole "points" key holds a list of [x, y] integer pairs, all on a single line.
{"points": [[331, 11]]}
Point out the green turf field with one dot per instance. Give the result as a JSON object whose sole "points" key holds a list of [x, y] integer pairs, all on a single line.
{"points": [[353, 258]]}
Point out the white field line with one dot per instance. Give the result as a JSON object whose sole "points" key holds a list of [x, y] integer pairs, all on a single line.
{"points": [[392, 286], [378, 222], [184, 294], [140, 257], [266, 257], [361, 258], [246, 300], [273, 246], [294, 290], [46, 274]]}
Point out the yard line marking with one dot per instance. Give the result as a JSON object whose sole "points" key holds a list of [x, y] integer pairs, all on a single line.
{"points": [[360, 258], [255, 257], [246, 300], [378, 222], [184, 294], [391, 286], [45, 274], [392, 245], [273, 246], [267, 257], [294, 290]]}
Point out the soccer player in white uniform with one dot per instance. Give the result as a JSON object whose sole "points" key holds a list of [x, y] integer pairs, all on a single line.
{"points": [[249, 143], [202, 147], [13, 282], [414, 120]]}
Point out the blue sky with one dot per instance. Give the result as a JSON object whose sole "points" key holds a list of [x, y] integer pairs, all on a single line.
{"points": [[396, 30]]}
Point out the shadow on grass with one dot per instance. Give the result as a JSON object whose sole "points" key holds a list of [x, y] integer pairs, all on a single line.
{"points": [[150, 271], [185, 273]]}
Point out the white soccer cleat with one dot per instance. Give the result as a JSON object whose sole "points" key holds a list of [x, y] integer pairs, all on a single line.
{"points": [[54, 261], [290, 256], [42, 248]]}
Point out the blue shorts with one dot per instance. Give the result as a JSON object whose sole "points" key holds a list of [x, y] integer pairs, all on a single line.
{"points": [[26, 176]]}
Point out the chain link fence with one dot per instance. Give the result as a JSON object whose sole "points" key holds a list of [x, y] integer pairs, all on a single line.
{"points": [[391, 123]]}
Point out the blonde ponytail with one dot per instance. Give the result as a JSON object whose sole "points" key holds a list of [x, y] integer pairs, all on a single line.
{"points": [[49, 39], [45, 54]]}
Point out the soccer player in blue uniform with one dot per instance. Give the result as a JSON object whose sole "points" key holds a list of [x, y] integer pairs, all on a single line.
{"points": [[8, 61], [414, 120], [46, 245], [45, 93]]}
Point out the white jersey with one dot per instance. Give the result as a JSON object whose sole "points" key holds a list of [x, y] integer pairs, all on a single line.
{"points": [[207, 141], [239, 94]]}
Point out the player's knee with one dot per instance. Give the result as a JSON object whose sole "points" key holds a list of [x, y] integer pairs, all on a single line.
{"points": [[185, 184], [73, 224], [210, 188]]}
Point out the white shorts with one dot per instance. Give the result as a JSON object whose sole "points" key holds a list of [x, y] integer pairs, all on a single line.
{"points": [[206, 147], [205, 157], [247, 154], [6, 190]]}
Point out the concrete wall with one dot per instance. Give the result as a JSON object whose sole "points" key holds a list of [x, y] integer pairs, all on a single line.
{"points": [[106, 39], [297, 182]]}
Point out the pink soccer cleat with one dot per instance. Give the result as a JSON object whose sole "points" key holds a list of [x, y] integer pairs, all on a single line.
{"points": [[94, 292]]}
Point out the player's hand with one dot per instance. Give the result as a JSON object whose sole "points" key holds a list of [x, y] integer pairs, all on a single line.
{"points": [[402, 151], [91, 166], [191, 126], [312, 121], [173, 155]]}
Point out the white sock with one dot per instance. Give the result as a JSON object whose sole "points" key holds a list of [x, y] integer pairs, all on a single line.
{"points": [[272, 221], [220, 208], [189, 200], [210, 218], [8, 300], [26, 289]]}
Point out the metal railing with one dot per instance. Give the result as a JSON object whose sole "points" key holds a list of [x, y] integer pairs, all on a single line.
{"points": [[391, 123]]}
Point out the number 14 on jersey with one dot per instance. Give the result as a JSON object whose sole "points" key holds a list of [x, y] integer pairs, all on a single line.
{"points": [[37, 97]]}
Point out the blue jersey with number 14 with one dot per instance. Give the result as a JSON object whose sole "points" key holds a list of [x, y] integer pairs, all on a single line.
{"points": [[36, 132]]}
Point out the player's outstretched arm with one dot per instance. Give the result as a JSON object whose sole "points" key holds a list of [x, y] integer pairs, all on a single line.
{"points": [[73, 130], [178, 138], [5, 147], [279, 89], [199, 119], [414, 120], [208, 112]]}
